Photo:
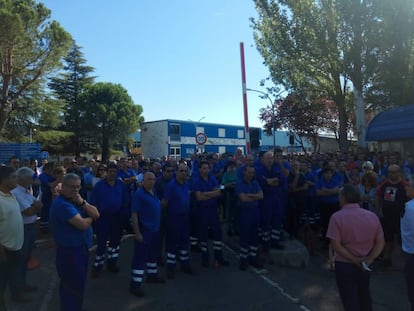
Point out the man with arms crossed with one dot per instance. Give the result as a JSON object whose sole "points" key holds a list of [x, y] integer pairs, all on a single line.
{"points": [[357, 238], [70, 219]]}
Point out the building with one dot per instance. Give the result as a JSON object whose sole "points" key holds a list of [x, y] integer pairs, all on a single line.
{"points": [[393, 129], [177, 138], [284, 140]]}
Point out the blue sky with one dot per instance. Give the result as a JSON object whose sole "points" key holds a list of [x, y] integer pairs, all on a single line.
{"points": [[177, 59]]}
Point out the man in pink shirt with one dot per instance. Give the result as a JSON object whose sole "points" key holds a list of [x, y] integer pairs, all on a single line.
{"points": [[357, 238]]}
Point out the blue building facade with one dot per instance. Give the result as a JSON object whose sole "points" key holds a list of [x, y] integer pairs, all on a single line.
{"points": [[177, 138]]}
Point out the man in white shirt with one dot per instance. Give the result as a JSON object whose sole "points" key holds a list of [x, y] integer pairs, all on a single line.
{"points": [[11, 229], [407, 236], [29, 207]]}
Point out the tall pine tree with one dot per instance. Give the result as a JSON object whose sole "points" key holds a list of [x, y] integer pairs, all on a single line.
{"points": [[68, 87]]}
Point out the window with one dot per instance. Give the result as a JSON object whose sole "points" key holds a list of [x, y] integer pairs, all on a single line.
{"points": [[175, 151], [199, 129], [222, 149], [240, 134], [221, 132], [175, 132]]}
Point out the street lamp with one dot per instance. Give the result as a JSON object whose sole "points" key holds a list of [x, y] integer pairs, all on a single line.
{"points": [[31, 134], [272, 104]]}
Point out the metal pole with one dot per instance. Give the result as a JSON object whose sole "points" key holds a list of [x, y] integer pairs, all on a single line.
{"points": [[246, 117], [272, 104]]}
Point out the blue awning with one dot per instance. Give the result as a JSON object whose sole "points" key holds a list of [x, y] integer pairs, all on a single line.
{"points": [[392, 124]]}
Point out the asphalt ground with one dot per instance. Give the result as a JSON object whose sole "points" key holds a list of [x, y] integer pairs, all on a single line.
{"points": [[214, 289]]}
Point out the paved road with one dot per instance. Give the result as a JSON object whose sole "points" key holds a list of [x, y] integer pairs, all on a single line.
{"points": [[277, 288]]}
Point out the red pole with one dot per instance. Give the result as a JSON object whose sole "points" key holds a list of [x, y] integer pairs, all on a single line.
{"points": [[246, 117]]}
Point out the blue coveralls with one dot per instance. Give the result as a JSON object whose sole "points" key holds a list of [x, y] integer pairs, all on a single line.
{"points": [[209, 219], [46, 198], [126, 209], [148, 208], [178, 223], [109, 200], [249, 222], [194, 212], [71, 253], [271, 209]]}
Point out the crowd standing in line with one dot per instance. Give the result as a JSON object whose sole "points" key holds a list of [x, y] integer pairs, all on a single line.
{"points": [[174, 207]]}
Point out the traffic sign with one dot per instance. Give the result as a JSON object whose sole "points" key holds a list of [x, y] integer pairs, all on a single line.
{"points": [[201, 138], [44, 155]]}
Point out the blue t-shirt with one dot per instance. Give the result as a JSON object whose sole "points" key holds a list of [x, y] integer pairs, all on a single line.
{"points": [[248, 187], [122, 175], [45, 181], [109, 199], [63, 232], [148, 208], [178, 197], [269, 192], [201, 185], [329, 184]]}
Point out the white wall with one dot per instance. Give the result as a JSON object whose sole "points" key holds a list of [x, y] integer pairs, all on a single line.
{"points": [[154, 139]]}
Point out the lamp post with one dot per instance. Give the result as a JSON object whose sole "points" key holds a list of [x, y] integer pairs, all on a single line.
{"points": [[31, 134], [272, 104]]}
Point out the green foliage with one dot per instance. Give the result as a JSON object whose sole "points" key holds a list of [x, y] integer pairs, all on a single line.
{"points": [[109, 114], [30, 46], [68, 86], [55, 141], [326, 49]]}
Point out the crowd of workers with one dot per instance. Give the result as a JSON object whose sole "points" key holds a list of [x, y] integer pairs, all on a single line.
{"points": [[172, 207]]}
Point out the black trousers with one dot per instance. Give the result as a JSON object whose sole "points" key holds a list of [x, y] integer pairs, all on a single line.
{"points": [[409, 278], [353, 286], [6, 268]]}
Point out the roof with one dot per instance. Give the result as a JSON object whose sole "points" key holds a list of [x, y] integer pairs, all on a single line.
{"points": [[392, 124]]}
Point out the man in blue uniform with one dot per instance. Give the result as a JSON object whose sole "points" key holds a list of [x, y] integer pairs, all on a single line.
{"points": [[271, 181], [327, 190], [159, 187], [109, 196], [207, 191], [46, 179], [145, 216], [70, 219], [249, 193], [129, 178], [177, 203]]}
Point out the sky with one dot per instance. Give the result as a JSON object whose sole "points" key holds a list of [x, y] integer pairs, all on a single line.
{"points": [[178, 59]]}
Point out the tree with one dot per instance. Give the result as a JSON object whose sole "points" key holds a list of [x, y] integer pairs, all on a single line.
{"points": [[68, 87], [325, 49], [303, 117], [31, 46], [393, 81], [110, 114]]}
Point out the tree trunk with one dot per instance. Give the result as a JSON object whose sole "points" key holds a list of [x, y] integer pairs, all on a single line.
{"points": [[105, 148], [343, 122], [4, 114], [360, 119]]}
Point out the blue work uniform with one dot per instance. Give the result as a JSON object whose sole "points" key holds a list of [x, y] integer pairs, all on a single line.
{"points": [[272, 205], [328, 204], [194, 215], [249, 222], [71, 253], [208, 219], [148, 209], [129, 188], [178, 223], [109, 200], [46, 198]]}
